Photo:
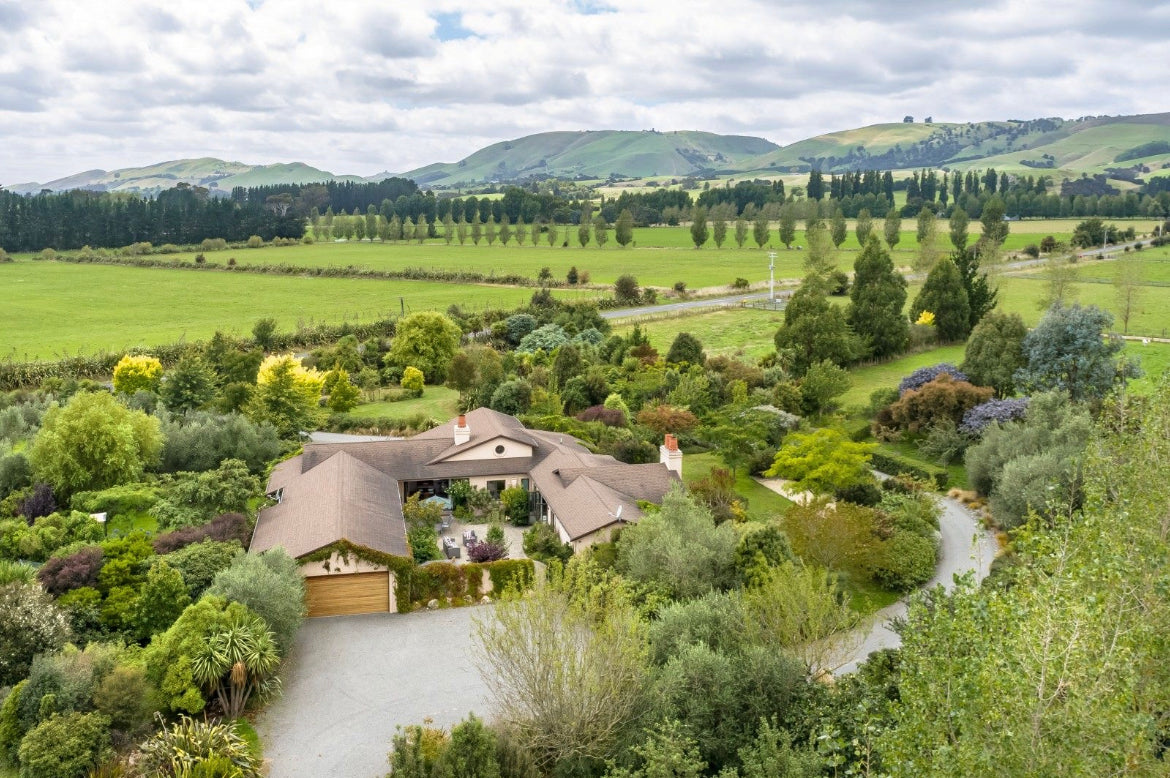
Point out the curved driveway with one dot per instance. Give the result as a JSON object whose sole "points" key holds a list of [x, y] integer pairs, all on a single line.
{"points": [[965, 547]]}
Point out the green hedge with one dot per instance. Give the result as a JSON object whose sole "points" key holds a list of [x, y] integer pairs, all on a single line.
{"points": [[895, 464]]}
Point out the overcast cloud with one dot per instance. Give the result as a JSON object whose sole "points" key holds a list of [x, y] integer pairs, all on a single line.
{"points": [[361, 87]]}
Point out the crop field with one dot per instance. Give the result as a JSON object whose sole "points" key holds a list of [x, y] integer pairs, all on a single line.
{"points": [[56, 308]]}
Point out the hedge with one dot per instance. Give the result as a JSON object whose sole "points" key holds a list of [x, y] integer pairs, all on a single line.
{"points": [[895, 464]]}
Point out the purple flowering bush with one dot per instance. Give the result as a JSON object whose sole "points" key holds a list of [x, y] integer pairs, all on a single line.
{"points": [[977, 419], [924, 375]]}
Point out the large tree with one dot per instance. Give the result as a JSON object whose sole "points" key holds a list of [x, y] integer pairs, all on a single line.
{"points": [[958, 225], [287, 395], [623, 231], [760, 230], [995, 227], [877, 299], [943, 295], [981, 295], [699, 232], [995, 352], [814, 329], [1128, 288], [426, 340], [1069, 351], [787, 224], [892, 228], [864, 226], [94, 442]]}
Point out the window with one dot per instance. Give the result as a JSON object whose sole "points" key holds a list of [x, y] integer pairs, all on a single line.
{"points": [[500, 449], [495, 487]]}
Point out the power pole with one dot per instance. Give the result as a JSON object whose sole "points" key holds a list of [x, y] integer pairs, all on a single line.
{"points": [[772, 277]]}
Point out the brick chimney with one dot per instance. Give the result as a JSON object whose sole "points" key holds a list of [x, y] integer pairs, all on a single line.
{"points": [[462, 431], [669, 455]]}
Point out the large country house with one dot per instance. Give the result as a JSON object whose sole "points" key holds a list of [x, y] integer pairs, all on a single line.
{"points": [[355, 492]]}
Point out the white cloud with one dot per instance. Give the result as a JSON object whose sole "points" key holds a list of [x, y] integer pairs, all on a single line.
{"points": [[368, 86]]}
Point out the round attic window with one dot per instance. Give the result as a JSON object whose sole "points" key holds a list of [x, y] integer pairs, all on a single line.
{"points": [[499, 449]]}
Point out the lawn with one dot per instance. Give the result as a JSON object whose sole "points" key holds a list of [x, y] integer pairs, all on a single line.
{"points": [[886, 375], [762, 503], [437, 402], [125, 523], [741, 332], [55, 308]]}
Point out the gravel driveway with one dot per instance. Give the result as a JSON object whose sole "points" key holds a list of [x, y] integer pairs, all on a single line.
{"points": [[351, 679]]}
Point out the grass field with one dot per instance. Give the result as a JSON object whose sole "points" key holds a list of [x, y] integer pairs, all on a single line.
{"points": [[742, 332], [57, 308], [437, 402]]}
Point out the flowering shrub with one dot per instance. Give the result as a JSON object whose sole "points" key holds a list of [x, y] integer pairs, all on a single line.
{"points": [[978, 418], [924, 375], [486, 551], [926, 319]]}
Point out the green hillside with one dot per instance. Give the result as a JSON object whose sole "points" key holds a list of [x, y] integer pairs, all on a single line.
{"points": [[596, 154], [215, 174], [1067, 148]]}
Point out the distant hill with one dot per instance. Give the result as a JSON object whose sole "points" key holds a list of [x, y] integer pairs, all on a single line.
{"points": [[215, 174], [1121, 147], [1065, 147], [596, 154]]}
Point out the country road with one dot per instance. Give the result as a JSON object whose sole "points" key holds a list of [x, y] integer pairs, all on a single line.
{"points": [[736, 299]]}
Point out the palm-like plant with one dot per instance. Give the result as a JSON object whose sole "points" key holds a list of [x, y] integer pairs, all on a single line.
{"points": [[238, 663], [191, 747]]}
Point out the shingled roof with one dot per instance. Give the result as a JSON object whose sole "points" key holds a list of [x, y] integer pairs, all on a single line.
{"points": [[583, 489], [342, 498]]}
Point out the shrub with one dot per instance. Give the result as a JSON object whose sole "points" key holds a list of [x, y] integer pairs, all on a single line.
{"points": [[40, 502], [517, 573], [625, 289], [199, 748], [271, 585], [896, 464], [515, 502], [941, 399], [740, 283], [68, 746], [31, 624], [413, 382], [610, 417], [16, 572], [134, 373], [61, 574], [543, 544], [198, 563], [122, 695], [486, 551], [223, 528], [716, 620], [667, 418], [867, 493], [925, 375], [255, 242], [200, 441], [976, 419], [907, 560]]}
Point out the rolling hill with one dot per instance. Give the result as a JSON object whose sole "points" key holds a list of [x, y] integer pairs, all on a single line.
{"points": [[215, 174], [596, 154], [1121, 147], [1065, 147]]}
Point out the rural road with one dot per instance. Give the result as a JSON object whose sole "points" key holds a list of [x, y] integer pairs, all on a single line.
{"points": [[965, 547], [736, 299]]}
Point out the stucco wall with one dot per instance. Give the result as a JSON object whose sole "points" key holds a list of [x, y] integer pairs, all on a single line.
{"points": [[488, 451]]}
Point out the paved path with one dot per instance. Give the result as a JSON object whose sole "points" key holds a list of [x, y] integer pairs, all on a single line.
{"points": [[965, 546], [351, 679]]}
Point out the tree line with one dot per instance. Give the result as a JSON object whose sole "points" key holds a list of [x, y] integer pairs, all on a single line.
{"points": [[183, 215]]}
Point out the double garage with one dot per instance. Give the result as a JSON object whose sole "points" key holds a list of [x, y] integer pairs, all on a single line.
{"points": [[347, 594]]}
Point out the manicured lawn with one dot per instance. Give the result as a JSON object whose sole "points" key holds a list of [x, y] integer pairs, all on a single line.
{"points": [[438, 402], [909, 450], [886, 375], [54, 308], [762, 503]]}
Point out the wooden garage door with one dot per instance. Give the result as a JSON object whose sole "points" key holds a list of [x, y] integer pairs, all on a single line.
{"points": [[342, 595]]}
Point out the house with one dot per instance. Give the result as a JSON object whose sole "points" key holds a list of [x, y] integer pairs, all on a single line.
{"points": [[355, 492]]}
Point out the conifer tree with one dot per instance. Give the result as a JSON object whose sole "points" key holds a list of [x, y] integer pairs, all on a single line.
{"points": [[944, 296], [876, 302]]}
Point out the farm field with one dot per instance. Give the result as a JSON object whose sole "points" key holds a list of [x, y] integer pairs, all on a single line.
{"points": [[658, 256], [741, 332], [56, 308]]}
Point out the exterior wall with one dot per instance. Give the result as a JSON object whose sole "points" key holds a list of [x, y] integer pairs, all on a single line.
{"points": [[480, 482], [603, 535], [488, 451]]}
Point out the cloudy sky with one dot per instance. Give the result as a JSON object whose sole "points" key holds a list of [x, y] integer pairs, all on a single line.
{"points": [[362, 86]]}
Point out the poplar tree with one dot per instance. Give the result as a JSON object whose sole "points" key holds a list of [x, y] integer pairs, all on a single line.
{"points": [[864, 226], [699, 232], [760, 231], [624, 229], [893, 227]]}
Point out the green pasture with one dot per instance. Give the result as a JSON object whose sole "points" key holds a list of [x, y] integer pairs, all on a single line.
{"points": [[745, 333], [55, 308]]}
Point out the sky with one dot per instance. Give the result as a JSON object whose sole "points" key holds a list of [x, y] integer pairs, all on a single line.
{"points": [[363, 87]]}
